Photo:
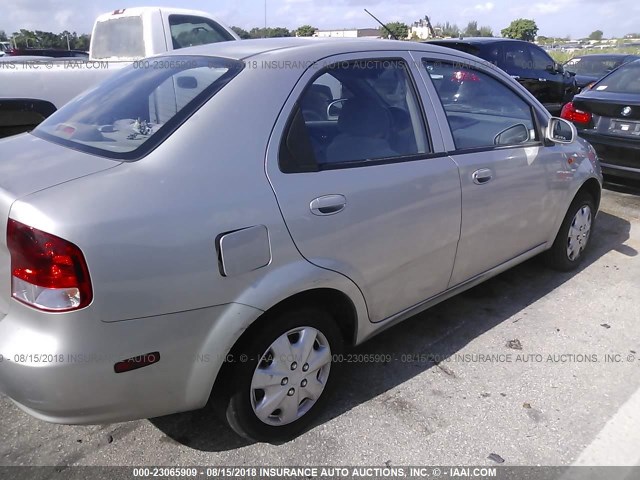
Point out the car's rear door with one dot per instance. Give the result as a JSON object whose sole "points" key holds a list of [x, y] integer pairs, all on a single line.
{"points": [[365, 187], [508, 178]]}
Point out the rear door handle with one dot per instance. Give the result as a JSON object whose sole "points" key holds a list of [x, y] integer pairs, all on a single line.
{"points": [[328, 205], [482, 176]]}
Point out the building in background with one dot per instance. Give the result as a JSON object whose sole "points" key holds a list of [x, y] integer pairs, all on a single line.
{"points": [[423, 30]]}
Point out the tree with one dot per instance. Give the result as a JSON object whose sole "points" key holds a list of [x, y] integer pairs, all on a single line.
{"points": [[400, 30], [3, 36], [305, 31], [486, 32], [241, 32], [471, 30], [257, 32], [448, 29], [83, 43], [521, 29], [25, 38], [597, 35]]}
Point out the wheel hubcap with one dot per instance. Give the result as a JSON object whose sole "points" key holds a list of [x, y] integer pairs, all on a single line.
{"points": [[579, 232], [281, 391]]}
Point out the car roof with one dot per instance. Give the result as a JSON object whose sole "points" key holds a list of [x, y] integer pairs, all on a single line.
{"points": [[314, 47], [476, 40], [607, 55]]}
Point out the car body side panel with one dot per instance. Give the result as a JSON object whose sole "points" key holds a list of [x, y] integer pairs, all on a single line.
{"points": [[396, 238], [518, 210], [59, 357]]}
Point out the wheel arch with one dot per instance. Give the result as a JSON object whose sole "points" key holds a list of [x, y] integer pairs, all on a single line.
{"points": [[593, 188]]}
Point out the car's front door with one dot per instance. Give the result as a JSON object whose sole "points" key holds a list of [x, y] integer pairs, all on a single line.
{"points": [[507, 175], [353, 165], [551, 80]]}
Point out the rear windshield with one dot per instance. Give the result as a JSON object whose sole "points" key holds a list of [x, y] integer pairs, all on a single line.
{"points": [[592, 66], [624, 80], [463, 47], [135, 110], [119, 37]]}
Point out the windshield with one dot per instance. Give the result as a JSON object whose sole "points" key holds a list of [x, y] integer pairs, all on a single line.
{"points": [[135, 110], [592, 66], [624, 80]]}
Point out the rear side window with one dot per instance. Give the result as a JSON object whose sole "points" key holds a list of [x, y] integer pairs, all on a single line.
{"points": [[190, 30], [135, 110], [119, 37], [355, 112], [481, 110], [624, 80]]}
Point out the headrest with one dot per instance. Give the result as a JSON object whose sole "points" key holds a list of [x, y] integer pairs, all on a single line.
{"points": [[363, 119]]}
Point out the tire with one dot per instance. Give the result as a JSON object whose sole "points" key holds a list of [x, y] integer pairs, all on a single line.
{"points": [[568, 250], [274, 354]]}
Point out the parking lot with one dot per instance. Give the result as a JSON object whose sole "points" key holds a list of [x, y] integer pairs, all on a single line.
{"points": [[534, 366]]}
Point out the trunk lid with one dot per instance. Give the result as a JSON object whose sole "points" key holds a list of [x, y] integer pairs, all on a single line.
{"points": [[616, 114]]}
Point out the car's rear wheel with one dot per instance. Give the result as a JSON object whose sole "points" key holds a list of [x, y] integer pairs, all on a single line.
{"points": [[282, 375], [573, 238]]}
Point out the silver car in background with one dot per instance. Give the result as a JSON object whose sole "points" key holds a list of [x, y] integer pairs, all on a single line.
{"points": [[223, 220]]}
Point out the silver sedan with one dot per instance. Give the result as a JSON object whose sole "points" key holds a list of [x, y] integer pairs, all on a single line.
{"points": [[222, 221]]}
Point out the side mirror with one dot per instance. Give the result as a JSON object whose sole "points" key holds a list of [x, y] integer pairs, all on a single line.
{"points": [[555, 68], [561, 131], [335, 108], [187, 82], [513, 135]]}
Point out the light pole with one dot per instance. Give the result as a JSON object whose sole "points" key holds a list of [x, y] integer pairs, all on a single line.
{"points": [[265, 18]]}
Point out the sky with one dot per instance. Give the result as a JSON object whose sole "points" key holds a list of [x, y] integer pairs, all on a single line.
{"points": [[574, 18]]}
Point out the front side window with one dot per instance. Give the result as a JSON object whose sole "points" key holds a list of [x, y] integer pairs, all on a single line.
{"points": [[190, 30], [136, 109], [356, 112], [539, 59], [481, 110]]}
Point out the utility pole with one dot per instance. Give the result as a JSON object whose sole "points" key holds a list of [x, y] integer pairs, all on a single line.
{"points": [[68, 45], [265, 18]]}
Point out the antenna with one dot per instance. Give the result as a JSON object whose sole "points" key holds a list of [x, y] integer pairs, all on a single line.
{"points": [[383, 25]]}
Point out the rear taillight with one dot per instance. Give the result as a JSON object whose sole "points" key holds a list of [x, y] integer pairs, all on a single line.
{"points": [[571, 113], [47, 272], [464, 76]]}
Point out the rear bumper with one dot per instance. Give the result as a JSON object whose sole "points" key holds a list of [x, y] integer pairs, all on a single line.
{"points": [[618, 157], [622, 172], [61, 368]]}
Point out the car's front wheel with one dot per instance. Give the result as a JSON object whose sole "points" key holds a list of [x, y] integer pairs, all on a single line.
{"points": [[282, 375], [573, 238]]}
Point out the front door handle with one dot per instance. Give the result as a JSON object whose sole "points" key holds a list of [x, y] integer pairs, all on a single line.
{"points": [[482, 176], [328, 205]]}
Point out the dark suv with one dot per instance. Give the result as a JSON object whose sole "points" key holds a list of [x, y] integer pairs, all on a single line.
{"points": [[527, 63]]}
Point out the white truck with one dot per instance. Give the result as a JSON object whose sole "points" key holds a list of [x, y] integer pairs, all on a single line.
{"points": [[32, 89]]}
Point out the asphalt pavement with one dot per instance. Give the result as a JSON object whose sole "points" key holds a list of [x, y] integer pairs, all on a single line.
{"points": [[534, 367]]}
